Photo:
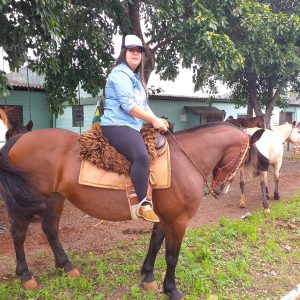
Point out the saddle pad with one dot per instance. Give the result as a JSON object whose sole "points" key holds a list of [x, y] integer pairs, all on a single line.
{"points": [[160, 175]]}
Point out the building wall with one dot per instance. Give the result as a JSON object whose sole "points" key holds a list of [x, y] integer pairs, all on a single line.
{"points": [[175, 111], [65, 121], [35, 107]]}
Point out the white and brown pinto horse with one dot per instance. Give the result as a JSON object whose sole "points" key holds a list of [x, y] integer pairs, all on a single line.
{"points": [[269, 151], [4, 126]]}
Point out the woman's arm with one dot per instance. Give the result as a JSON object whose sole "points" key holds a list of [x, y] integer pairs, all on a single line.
{"points": [[148, 116]]}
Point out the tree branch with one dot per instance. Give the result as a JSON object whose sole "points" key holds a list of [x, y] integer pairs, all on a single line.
{"points": [[164, 42]]}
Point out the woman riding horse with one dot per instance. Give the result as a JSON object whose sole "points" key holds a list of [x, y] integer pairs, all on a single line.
{"points": [[40, 169]]}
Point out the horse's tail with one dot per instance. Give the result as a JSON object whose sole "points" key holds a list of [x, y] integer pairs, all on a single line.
{"points": [[15, 189], [255, 159]]}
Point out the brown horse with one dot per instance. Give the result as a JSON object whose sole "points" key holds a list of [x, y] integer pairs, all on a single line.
{"points": [[40, 169], [18, 128], [8, 129], [247, 123]]}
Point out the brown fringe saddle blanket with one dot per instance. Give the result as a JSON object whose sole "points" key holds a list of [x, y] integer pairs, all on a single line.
{"points": [[100, 159]]}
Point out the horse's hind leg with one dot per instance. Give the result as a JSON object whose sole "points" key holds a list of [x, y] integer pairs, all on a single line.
{"points": [[242, 187], [264, 189], [276, 177], [50, 227], [19, 226], [156, 241]]}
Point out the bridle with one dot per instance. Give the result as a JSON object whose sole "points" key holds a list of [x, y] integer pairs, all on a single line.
{"points": [[290, 132], [234, 169], [230, 175]]}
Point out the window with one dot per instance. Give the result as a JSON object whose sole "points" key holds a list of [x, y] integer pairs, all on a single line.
{"points": [[289, 117], [214, 118], [77, 115], [285, 117], [241, 116]]}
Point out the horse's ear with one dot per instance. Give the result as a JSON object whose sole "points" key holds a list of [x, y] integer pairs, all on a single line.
{"points": [[29, 125]]}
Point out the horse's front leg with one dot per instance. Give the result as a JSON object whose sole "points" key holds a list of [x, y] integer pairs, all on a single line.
{"points": [[264, 190], [19, 226], [50, 227], [174, 234], [156, 241], [242, 187]]}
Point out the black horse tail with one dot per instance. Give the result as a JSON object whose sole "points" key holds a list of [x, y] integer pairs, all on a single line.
{"points": [[15, 188], [255, 159]]}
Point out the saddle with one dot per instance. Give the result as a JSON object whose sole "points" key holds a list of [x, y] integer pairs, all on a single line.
{"points": [[103, 167]]}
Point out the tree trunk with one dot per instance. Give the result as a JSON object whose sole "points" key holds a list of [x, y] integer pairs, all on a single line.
{"points": [[272, 99], [134, 17], [252, 95]]}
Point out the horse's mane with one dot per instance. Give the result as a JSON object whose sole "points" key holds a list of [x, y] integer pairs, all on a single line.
{"points": [[203, 126]]}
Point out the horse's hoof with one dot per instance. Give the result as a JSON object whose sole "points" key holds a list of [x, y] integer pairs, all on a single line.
{"points": [[150, 286], [176, 296], [73, 273], [266, 210], [30, 284]]}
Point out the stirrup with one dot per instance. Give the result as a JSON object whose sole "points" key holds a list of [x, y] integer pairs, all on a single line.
{"points": [[140, 204], [148, 215]]}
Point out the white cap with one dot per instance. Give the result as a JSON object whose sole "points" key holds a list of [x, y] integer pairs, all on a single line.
{"points": [[132, 41]]}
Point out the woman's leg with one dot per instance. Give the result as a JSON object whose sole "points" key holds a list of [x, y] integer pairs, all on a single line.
{"points": [[130, 143]]}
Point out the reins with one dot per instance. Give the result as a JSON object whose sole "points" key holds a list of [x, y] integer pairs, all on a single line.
{"points": [[199, 171], [228, 177]]}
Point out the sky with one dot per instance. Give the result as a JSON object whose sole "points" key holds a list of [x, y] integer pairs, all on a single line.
{"points": [[182, 86]]}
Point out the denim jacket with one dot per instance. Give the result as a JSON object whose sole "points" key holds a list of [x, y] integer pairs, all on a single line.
{"points": [[123, 91]]}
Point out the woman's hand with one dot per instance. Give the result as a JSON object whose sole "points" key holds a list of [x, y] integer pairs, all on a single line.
{"points": [[160, 124]]}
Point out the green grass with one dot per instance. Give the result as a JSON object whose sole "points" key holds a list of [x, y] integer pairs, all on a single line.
{"points": [[255, 258]]}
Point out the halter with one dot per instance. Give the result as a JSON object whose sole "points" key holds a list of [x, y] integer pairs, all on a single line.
{"points": [[230, 175], [290, 132]]}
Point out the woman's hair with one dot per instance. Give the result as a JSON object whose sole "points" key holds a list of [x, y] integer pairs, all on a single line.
{"points": [[139, 70]]}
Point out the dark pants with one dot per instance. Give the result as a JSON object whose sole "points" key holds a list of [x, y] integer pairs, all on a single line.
{"points": [[130, 143]]}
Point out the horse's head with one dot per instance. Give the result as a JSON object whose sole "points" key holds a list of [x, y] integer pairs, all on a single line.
{"points": [[4, 126], [17, 128], [294, 136]]}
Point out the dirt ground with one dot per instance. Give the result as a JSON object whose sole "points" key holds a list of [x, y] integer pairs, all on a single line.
{"points": [[81, 233]]}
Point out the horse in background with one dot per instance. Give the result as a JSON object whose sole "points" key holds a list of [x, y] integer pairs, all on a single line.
{"points": [[4, 126], [8, 129], [39, 171], [247, 123], [268, 150], [16, 127]]}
